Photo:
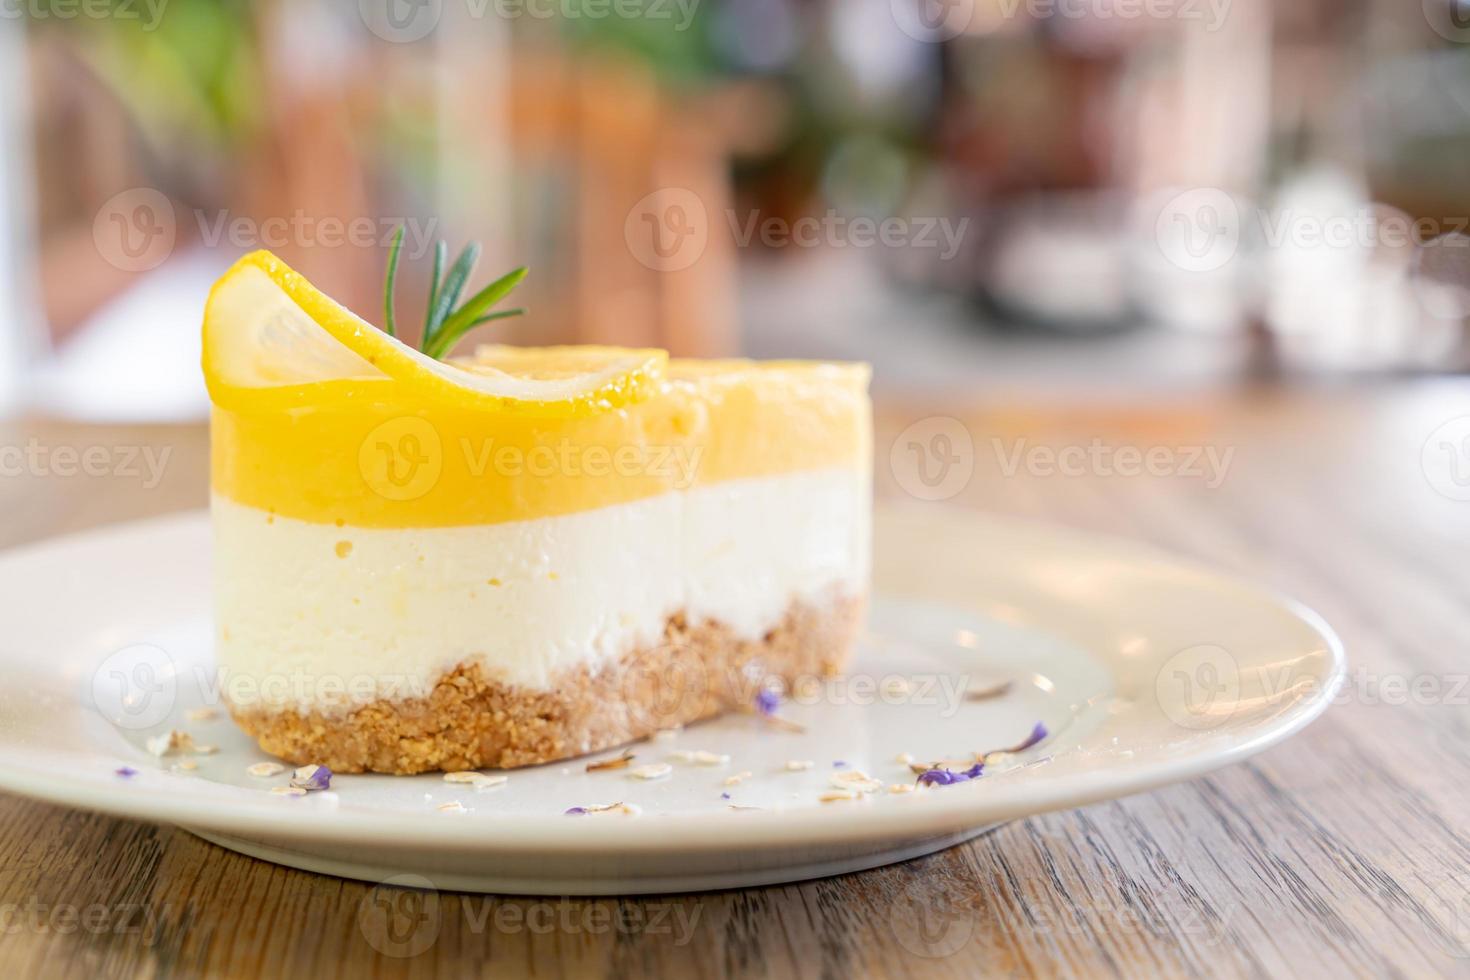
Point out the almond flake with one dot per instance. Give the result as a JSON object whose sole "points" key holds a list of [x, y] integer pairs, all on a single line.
{"points": [[263, 769], [621, 762], [170, 742], [201, 714], [837, 795], [703, 758], [462, 776], [288, 791], [856, 779], [739, 777], [453, 806], [654, 770], [901, 788], [798, 765]]}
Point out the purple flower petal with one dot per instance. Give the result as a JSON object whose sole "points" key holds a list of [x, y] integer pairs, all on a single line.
{"points": [[312, 778], [838, 764], [947, 777], [724, 796], [1038, 734], [574, 811], [126, 772], [767, 701]]}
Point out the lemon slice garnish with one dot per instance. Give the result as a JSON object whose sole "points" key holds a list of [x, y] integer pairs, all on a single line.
{"points": [[272, 339]]}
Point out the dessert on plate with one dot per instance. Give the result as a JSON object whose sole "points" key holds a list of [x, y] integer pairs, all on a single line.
{"points": [[520, 555]]}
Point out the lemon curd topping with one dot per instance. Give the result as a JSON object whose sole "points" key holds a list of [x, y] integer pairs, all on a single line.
{"points": [[321, 417]]}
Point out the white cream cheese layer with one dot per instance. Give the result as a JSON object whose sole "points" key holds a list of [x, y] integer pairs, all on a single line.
{"points": [[311, 613]]}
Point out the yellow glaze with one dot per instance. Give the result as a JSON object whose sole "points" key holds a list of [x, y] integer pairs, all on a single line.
{"points": [[321, 417]]}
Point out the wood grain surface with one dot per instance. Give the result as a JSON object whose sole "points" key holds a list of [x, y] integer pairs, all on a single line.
{"points": [[1341, 852]]}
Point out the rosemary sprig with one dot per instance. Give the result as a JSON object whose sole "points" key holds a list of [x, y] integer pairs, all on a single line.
{"points": [[446, 321]]}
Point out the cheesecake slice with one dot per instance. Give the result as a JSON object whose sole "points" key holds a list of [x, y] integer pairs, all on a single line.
{"points": [[519, 556]]}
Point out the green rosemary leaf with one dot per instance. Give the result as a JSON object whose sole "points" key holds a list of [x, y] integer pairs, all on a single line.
{"points": [[499, 315], [448, 296], [441, 255], [389, 326], [460, 322], [446, 321]]}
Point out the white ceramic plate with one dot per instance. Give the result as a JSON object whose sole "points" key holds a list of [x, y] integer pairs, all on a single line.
{"points": [[1145, 670]]}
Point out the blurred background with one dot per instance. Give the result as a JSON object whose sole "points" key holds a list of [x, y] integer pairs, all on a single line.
{"points": [[1050, 196]]}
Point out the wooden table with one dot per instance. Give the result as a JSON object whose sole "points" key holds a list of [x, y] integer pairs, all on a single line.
{"points": [[1346, 850]]}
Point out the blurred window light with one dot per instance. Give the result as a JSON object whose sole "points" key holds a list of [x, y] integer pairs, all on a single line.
{"points": [[20, 327], [880, 60]]}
